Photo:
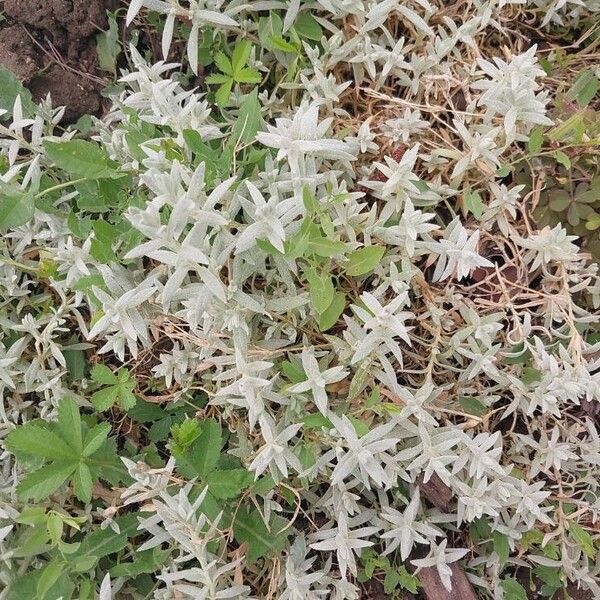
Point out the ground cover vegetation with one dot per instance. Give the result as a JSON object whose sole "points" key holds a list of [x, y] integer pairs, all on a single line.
{"points": [[310, 310]]}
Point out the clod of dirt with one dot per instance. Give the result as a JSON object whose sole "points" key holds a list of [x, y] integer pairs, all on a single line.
{"points": [[50, 45], [79, 95], [72, 18], [18, 54]]}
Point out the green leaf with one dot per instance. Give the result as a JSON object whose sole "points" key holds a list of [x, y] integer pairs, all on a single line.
{"points": [[94, 438], [223, 63], [16, 207], [102, 374], [585, 88], [364, 260], [184, 434], [332, 313], [103, 542], [536, 140], [248, 121], [307, 27], [407, 581], [10, 88], [562, 159], [119, 391], [105, 398], [472, 406], [248, 76], [203, 455], [309, 200], [54, 525], [501, 547], [219, 78], [146, 561], [25, 587], [297, 245], [223, 93], [583, 539], [82, 483], [249, 527], [474, 203], [76, 363], [321, 290], [44, 481], [35, 440], [49, 576], [321, 246], [529, 375], [512, 589], [240, 56], [81, 158], [316, 421], [228, 483], [280, 43], [107, 46], [69, 423]]}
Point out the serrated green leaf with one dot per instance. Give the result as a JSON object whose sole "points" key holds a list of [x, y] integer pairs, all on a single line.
{"points": [[223, 93], [228, 483], [103, 542], [83, 482], [513, 590], [35, 440], [203, 455], [248, 76], [105, 398], [364, 260], [249, 527], [102, 374], [45, 481], [240, 55], [69, 423]]}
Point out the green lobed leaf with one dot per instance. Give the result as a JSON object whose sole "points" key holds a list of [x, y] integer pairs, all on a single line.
{"points": [[249, 527], [228, 483]]}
